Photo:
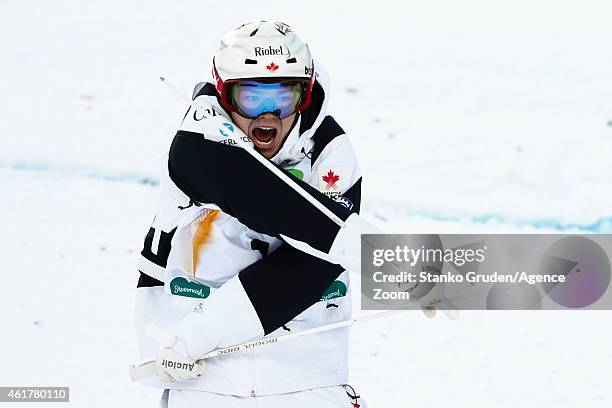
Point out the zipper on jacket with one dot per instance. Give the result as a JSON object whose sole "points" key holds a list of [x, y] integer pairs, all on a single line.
{"points": [[252, 366], [254, 373]]}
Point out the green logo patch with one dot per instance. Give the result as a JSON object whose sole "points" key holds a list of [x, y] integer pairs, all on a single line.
{"points": [[335, 290], [182, 287], [299, 174]]}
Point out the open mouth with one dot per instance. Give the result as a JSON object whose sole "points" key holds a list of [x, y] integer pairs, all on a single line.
{"points": [[263, 136]]}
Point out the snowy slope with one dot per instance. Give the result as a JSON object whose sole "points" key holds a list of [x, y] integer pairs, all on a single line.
{"points": [[470, 117]]}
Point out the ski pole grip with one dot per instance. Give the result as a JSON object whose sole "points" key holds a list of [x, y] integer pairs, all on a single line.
{"points": [[144, 369]]}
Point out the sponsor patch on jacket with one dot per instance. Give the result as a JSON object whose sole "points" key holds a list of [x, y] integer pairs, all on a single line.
{"points": [[182, 287], [331, 180], [336, 289], [299, 174]]}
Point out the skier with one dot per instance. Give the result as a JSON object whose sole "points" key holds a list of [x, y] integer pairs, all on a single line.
{"points": [[235, 253]]}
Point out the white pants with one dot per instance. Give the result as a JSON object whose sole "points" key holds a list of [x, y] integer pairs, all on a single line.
{"points": [[329, 397]]}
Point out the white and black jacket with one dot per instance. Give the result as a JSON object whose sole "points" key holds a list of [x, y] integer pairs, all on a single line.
{"points": [[214, 270]]}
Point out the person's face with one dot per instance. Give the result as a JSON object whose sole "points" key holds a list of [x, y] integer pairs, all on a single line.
{"points": [[267, 131]]}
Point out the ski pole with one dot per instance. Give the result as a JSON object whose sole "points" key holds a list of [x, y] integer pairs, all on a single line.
{"points": [[146, 368]]}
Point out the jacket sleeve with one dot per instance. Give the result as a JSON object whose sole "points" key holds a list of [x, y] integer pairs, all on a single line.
{"points": [[215, 173], [285, 283]]}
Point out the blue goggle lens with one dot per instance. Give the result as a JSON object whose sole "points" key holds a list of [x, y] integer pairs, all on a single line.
{"points": [[251, 98]]}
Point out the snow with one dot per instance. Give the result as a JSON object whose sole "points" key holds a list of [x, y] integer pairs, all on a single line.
{"points": [[467, 116]]}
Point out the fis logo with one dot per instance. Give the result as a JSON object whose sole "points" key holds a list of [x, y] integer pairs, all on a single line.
{"points": [[345, 202]]}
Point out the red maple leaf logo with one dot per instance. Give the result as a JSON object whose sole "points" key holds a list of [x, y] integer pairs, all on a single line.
{"points": [[272, 67], [330, 178]]}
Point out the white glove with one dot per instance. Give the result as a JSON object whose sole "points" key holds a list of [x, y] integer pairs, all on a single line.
{"points": [[346, 248], [171, 365], [225, 318]]}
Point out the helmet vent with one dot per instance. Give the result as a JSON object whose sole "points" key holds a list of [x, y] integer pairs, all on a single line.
{"points": [[291, 61], [251, 61], [254, 32]]}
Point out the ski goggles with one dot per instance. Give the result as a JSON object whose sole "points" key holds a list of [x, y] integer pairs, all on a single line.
{"points": [[251, 98]]}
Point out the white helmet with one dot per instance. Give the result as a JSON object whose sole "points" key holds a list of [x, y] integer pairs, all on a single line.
{"points": [[263, 50]]}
